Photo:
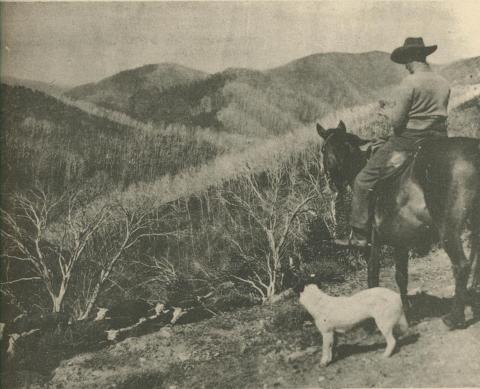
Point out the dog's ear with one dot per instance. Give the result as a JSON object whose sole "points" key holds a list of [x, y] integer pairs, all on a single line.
{"points": [[303, 281], [299, 286], [315, 279]]}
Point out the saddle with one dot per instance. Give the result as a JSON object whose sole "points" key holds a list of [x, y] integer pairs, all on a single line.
{"points": [[399, 162], [373, 145]]}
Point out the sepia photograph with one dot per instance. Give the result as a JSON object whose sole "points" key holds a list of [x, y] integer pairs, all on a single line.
{"points": [[240, 194]]}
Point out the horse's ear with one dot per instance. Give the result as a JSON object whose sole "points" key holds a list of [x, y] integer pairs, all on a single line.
{"points": [[321, 131], [341, 126]]}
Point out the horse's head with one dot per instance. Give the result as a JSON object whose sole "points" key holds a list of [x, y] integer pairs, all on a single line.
{"points": [[343, 155]]}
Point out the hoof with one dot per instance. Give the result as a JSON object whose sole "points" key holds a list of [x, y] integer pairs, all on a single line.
{"points": [[454, 323], [474, 297]]}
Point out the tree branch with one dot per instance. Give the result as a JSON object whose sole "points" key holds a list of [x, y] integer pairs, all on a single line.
{"points": [[250, 282], [20, 280]]}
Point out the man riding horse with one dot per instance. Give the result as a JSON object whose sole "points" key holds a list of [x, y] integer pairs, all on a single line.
{"points": [[420, 113], [435, 198]]}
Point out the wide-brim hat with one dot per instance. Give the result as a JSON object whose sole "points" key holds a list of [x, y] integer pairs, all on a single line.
{"points": [[412, 49]]}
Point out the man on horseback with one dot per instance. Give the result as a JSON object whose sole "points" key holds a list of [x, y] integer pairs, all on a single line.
{"points": [[420, 113]]}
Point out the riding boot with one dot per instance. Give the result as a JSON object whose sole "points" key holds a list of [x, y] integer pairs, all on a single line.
{"points": [[357, 239], [454, 322]]}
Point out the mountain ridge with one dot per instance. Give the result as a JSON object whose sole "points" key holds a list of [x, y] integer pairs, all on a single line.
{"points": [[113, 92], [297, 92], [41, 86]]}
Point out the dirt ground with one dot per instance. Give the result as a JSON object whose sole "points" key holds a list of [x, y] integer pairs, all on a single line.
{"points": [[276, 346]]}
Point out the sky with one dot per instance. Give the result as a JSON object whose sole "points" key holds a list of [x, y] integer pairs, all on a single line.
{"points": [[78, 42]]}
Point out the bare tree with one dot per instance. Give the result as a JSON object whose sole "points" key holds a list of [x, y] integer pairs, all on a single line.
{"points": [[27, 230], [60, 242], [127, 228], [326, 199], [273, 209]]}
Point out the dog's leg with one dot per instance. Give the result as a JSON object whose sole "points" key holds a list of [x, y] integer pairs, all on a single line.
{"points": [[327, 350], [387, 331], [391, 343]]}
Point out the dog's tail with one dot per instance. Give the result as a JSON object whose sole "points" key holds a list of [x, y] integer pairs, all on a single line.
{"points": [[402, 324]]}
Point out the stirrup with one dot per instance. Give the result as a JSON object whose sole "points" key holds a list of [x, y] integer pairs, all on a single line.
{"points": [[351, 243], [453, 323]]}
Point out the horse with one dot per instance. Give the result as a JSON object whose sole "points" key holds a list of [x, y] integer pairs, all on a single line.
{"points": [[434, 198]]}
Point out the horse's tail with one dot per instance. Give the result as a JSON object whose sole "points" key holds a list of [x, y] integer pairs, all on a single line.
{"points": [[475, 230], [476, 213]]}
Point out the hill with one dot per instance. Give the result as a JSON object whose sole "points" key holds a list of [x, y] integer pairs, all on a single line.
{"points": [[464, 120], [245, 100], [48, 88], [278, 346], [57, 146], [465, 71], [252, 102], [115, 92], [219, 236], [341, 79], [236, 100]]}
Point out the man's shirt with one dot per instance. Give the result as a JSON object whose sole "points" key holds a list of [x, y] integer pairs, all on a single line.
{"points": [[422, 103]]}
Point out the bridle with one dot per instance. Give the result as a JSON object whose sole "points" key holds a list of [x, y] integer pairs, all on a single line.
{"points": [[325, 142], [326, 172], [330, 181]]}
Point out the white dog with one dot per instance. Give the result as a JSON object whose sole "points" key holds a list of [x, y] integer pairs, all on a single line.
{"points": [[340, 314]]}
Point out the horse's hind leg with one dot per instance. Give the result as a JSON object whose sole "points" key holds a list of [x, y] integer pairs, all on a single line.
{"points": [[401, 275], [461, 271], [475, 271], [475, 251]]}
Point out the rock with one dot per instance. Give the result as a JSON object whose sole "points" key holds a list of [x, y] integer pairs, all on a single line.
{"points": [[417, 291], [101, 314], [296, 355], [286, 294], [165, 332], [321, 378]]}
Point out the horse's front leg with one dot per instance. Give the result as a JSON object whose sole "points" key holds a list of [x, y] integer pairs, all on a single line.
{"points": [[401, 275], [373, 262], [373, 272]]}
